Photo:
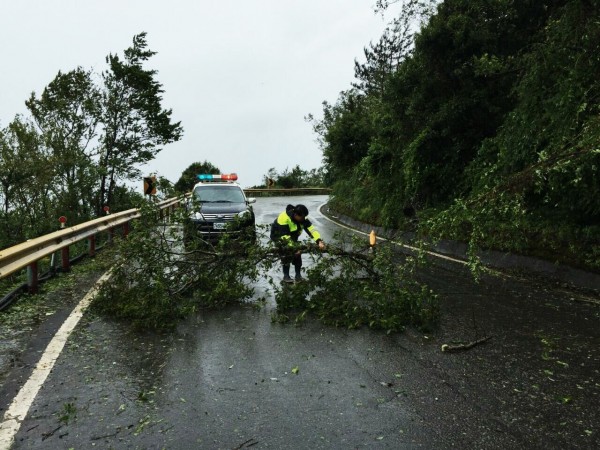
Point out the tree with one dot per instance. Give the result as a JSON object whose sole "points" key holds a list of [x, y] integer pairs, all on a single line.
{"points": [[346, 133], [296, 178], [134, 124], [189, 176], [382, 59], [395, 45], [408, 6], [82, 139], [67, 116], [25, 181]]}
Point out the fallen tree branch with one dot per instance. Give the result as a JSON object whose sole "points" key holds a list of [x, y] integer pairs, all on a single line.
{"points": [[447, 348]]}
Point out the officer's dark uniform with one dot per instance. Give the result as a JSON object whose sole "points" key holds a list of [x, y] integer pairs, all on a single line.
{"points": [[285, 231]]}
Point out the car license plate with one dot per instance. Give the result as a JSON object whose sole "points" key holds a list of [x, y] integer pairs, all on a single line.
{"points": [[219, 225]]}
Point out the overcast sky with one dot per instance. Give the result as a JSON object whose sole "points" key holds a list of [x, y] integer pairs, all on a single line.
{"points": [[240, 75]]}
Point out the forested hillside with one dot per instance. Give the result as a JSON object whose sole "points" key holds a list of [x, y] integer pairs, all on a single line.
{"points": [[484, 125]]}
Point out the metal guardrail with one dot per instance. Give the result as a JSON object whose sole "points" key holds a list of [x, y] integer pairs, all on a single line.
{"points": [[288, 191], [27, 254]]}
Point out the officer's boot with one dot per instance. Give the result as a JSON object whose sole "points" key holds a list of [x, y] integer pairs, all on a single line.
{"points": [[286, 274], [298, 273]]}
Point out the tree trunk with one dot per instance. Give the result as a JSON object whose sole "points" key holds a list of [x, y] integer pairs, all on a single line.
{"points": [[111, 187]]}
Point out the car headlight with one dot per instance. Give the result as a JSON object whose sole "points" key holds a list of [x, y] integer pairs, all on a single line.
{"points": [[197, 216], [244, 214]]}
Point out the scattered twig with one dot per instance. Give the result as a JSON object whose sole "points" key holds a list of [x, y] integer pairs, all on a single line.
{"points": [[97, 438], [461, 347], [50, 433], [248, 443], [167, 429]]}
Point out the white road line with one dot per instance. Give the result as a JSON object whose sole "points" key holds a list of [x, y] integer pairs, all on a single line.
{"points": [[437, 255], [20, 405]]}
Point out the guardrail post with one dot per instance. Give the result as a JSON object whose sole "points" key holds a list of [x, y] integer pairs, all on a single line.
{"points": [[92, 245], [32, 277], [53, 262], [64, 257], [125, 229], [111, 235]]}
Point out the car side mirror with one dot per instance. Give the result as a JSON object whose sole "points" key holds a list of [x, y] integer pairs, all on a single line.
{"points": [[251, 200]]}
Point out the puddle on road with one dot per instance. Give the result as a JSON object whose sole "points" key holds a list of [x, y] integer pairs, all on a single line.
{"points": [[142, 355]]}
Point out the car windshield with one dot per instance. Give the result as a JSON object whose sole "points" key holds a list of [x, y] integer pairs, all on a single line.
{"points": [[219, 194]]}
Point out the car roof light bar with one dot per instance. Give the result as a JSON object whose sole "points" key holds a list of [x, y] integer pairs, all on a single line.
{"points": [[217, 177]]}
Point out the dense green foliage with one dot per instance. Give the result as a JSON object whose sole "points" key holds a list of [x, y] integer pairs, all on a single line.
{"points": [[486, 124], [295, 178], [86, 137], [189, 177]]}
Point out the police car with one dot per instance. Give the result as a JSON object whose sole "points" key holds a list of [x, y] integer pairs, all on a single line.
{"points": [[219, 207]]}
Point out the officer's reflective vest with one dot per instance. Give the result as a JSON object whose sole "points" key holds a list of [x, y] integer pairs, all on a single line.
{"points": [[285, 230]]}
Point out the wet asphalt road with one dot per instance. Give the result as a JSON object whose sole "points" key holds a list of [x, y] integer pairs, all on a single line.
{"points": [[225, 378]]}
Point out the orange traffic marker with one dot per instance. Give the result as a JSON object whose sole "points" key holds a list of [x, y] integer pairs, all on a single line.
{"points": [[372, 238]]}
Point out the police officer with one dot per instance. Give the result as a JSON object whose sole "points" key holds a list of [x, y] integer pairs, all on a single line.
{"points": [[286, 230]]}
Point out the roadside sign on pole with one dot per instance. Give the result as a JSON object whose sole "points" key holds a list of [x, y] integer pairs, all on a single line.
{"points": [[150, 185]]}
